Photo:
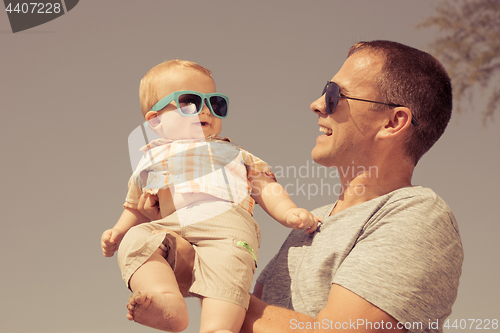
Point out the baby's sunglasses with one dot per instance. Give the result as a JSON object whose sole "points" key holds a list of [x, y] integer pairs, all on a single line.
{"points": [[332, 97], [186, 99]]}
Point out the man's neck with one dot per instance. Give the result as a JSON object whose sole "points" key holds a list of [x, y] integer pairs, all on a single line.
{"points": [[370, 185]]}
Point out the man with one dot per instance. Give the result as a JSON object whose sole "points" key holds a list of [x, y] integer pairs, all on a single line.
{"points": [[388, 255]]}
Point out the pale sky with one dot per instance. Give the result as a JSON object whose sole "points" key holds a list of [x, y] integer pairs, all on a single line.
{"points": [[69, 100]]}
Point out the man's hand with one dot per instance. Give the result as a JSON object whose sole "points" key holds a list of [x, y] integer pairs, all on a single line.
{"points": [[299, 218], [110, 240], [149, 206]]}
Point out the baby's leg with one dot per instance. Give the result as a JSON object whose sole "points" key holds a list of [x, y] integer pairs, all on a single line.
{"points": [[157, 301], [221, 316]]}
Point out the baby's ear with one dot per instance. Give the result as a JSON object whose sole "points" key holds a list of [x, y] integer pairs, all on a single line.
{"points": [[153, 119]]}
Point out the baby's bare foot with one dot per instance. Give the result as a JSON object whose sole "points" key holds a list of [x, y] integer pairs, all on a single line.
{"points": [[165, 312]]}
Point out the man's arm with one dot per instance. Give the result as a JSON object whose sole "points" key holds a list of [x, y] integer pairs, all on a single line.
{"points": [[344, 312]]}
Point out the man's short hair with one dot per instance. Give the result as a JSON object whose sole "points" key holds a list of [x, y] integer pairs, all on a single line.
{"points": [[417, 80]]}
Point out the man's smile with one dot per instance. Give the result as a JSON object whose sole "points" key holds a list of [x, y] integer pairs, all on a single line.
{"points": [[326, 130]]}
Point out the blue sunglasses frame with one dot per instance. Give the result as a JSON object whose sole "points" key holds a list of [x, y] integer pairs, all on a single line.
{"points": [[220, 101]]}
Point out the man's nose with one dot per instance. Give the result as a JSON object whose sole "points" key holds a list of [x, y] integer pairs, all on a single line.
{"points": [[319, 106]]}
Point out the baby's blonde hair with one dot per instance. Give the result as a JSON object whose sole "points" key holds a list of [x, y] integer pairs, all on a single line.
{"points": [[148, 89]]}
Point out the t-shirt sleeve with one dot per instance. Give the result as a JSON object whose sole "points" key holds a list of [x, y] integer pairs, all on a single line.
{"points": [[256, 166], [409, 256], [134, 192]]}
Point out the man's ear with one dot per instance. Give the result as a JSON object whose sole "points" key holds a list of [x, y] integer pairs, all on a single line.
{"points": [[153, 120], [399, 121]]}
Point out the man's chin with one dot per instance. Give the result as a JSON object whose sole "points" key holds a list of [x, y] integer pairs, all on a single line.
{"points": [[318, 156], [322, 156]]}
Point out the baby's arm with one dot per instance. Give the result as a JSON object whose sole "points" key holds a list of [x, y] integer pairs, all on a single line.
{"points": [[111, 238], [273, 198]]}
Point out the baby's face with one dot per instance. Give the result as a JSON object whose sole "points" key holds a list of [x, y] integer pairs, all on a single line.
{"points": [[176, 126]]}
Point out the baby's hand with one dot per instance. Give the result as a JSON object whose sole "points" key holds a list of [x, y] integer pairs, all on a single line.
{"points": [[299, 218], [110, 240]]}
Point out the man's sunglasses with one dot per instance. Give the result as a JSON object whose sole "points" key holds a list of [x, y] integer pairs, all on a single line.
{"points": [[190, 103], [332, 96]]}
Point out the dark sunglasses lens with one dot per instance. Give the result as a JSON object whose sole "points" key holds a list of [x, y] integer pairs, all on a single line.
{"points": [[324, 89], [331, 97], [219, 105], [187, 101]]}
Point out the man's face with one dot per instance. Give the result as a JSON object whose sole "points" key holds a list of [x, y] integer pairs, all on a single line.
{"points": [[349, 132]]}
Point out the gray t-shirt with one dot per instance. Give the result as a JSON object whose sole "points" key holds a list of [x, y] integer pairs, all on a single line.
{"points": [[401, 252]]}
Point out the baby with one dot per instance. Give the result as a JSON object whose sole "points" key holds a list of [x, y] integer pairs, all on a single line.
{"points": [[207, 187]]}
